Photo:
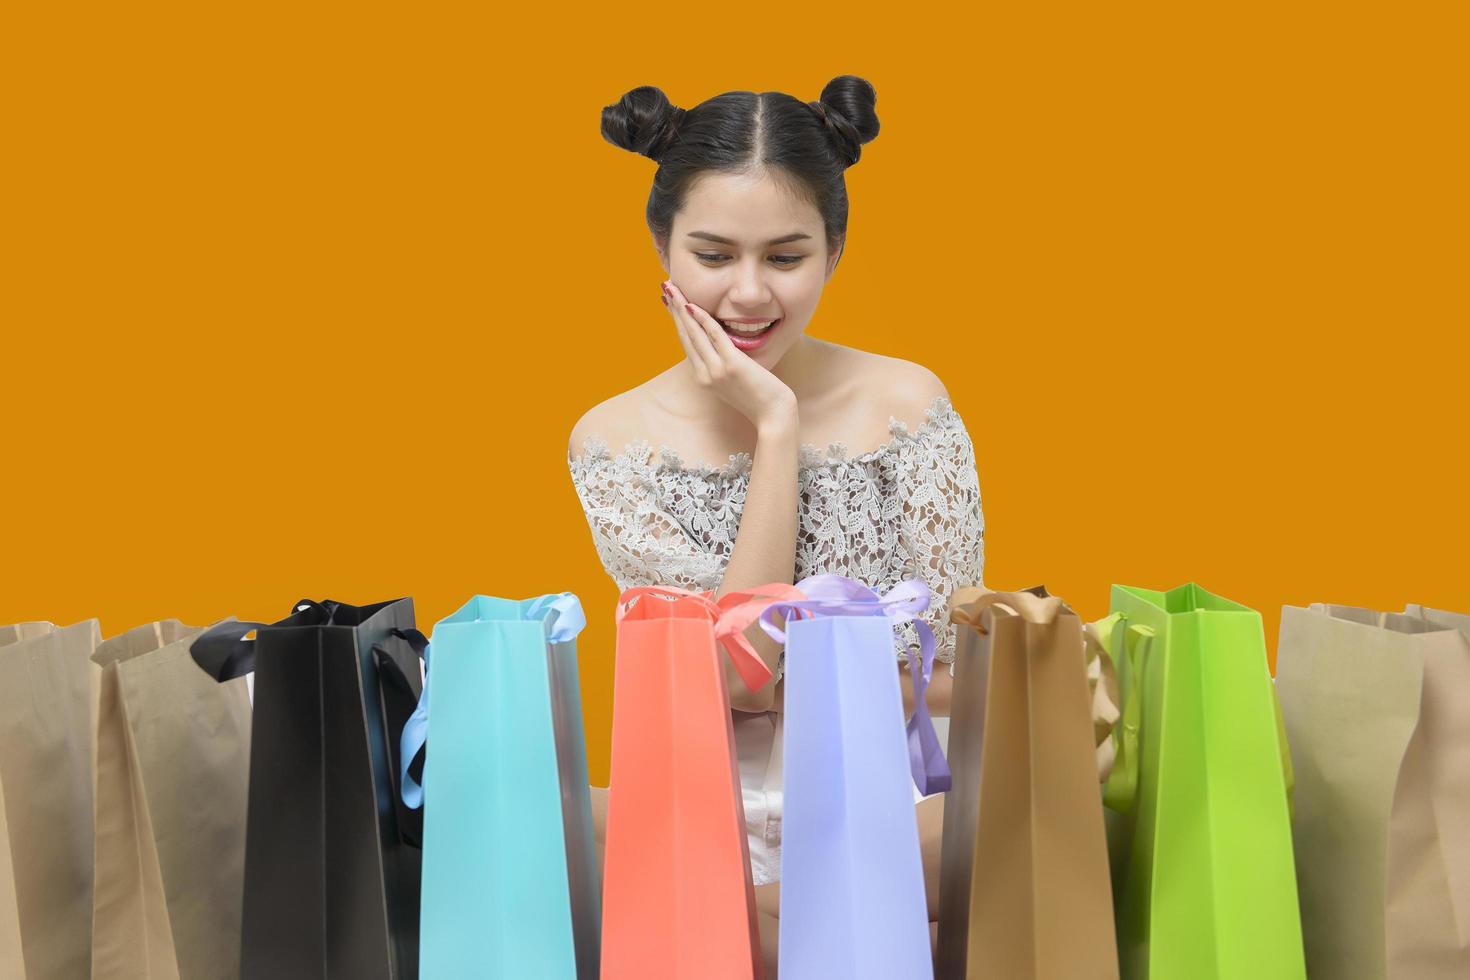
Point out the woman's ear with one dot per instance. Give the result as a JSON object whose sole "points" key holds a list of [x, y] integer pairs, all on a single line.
{"points": [[832, 259], [661, 247]]}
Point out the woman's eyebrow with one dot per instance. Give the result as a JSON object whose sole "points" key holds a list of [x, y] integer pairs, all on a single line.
{"points": [[712, 237]]}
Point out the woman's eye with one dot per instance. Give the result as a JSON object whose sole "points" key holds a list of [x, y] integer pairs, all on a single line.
{"points": [[779, 259]]}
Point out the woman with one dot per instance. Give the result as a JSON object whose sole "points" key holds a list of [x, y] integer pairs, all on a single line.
{"points": [[749, 217]]}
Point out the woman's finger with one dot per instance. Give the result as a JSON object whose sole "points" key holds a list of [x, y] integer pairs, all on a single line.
{"points": [[701, 358], [698, 337], [680, 330], [720, 341]]}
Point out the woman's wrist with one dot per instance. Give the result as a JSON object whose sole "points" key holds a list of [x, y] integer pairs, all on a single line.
{"points": [[778, 423]]}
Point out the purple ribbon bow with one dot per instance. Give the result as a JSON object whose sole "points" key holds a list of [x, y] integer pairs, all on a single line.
{"points": [[838, 595]]}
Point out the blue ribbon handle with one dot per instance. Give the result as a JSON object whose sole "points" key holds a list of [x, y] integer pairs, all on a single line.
{"points": [[415, 734], [569, 620]]}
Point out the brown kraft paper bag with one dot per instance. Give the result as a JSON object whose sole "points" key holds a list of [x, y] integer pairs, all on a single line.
{"points": [[173, 770], [1025, 891], [1377, 714], [48, 690]]}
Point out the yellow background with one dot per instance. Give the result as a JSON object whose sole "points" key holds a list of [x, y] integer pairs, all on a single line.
{"points": [[303, 300]]}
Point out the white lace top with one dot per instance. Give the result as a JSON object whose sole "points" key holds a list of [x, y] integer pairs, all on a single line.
{"points": [[909, 508]]}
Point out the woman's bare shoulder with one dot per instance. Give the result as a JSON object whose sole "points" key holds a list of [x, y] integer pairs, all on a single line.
{"points": [[867, 393], [601, 421], [616, 421], [895, 387]]}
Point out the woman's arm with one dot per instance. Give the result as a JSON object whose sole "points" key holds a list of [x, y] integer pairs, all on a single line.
{"points": [[765, 545]]}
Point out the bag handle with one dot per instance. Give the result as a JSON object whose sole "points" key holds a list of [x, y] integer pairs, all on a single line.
{"points": [[968, 604], [1121, 790], [223, 652], [560, 611], [1131, 645], [398, 701], [838, 595], [731, 614], [1102, 680]]}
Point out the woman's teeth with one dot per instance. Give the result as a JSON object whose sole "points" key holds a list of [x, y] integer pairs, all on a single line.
{"points": [[748, 329]]}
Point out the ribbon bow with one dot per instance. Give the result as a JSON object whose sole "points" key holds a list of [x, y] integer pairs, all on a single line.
{"points": [[838, 595], [731, 614]]}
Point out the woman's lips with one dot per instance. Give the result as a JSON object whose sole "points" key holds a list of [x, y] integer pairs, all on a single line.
{"points": [[755, 343]]}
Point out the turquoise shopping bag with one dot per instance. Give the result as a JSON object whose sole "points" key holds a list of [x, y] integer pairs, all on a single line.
{"points": [[510, 871], [1204, 880]]}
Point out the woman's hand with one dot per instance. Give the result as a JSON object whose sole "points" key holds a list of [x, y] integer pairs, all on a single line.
{"points": [[722, 368]]}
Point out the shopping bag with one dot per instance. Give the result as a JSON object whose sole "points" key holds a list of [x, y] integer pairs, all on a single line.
{"points": [[677, 898], [1024, 887], [1203, 876], [1449, 766], [852, 878], [173, 766], [12, 955], [1440, 617], [510, 883], [1377, 712], [48, 688], [332, 860]]}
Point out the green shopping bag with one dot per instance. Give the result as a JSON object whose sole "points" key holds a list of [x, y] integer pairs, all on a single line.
{"points": [[1204, 883]]}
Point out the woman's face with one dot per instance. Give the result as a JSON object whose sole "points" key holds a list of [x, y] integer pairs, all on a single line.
{"points": [[727, 255]]}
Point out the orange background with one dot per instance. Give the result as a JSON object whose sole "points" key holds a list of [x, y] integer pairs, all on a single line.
{"points": [[304, 301]]}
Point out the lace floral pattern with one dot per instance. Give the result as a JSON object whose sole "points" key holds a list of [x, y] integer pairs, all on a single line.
{"points": [[910, 508]]}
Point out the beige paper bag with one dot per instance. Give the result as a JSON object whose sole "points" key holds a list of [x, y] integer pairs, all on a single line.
{"points": [[1377, 713], [1440, 617], [12, 957], [1435, 832], [1025, 891], [46, 726], [173, 758]]}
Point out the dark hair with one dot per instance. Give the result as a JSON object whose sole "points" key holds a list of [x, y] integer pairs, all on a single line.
{"points": [[807, 145]]}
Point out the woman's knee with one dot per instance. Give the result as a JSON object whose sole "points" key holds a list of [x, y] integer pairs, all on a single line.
{"points": [[599, 813], [768, 899], [770, 933]]}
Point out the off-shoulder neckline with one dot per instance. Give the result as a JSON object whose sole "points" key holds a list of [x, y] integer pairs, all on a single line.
{"points": [[638, 451]]}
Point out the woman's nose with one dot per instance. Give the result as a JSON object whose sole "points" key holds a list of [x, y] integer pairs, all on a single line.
{"points": [[750, 288]]}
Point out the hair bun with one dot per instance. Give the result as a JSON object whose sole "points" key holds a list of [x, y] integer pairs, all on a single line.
{"points": [[847, 107], [643, 120]]}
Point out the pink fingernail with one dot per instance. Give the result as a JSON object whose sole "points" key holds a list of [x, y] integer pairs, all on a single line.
{"points": [[690, 308]]}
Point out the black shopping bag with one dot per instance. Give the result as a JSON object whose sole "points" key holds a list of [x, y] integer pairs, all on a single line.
{"points": [[332, 856]]}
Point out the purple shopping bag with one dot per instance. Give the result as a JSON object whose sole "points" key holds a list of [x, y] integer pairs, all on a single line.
{"points": [[852, 881]]}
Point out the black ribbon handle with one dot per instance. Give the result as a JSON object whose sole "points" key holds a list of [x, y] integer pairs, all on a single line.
{"points": [[224, 653], [399, 701]]}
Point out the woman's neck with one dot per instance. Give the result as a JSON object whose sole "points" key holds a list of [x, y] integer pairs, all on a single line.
{"points": [[804, 369]]}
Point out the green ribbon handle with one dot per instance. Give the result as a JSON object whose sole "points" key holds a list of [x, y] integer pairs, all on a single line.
{"points": [[1120, 793], [1135, 643]]}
